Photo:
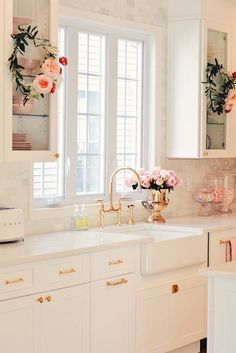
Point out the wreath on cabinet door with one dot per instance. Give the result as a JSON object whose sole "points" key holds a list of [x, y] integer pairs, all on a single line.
{"points": [[220, 88], [49, 78]]}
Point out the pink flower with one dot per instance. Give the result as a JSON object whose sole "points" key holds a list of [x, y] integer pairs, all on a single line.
{"points": [[129, 181], [42, 84], [228, 107], [232, 95], [51, 68], [159, 181], [171, 182], [146, 184]]}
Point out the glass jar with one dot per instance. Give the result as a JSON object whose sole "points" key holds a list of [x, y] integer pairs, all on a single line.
{"points": [[229, 186], [215, 182], [204, 196]]}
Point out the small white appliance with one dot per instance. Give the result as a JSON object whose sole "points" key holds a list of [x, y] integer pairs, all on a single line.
{"points": [[11, 224]]}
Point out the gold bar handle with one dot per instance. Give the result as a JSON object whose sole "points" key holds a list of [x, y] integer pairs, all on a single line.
{"points": [[175, 288], [224, 242], [66, 272], [112, 284], [14, 281], [116, 262]]}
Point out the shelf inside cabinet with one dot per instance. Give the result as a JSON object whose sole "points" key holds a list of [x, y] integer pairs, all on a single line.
{"points": [[31, 115], [215, 123]]}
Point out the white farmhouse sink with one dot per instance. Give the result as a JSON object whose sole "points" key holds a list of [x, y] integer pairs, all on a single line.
{"points": [[172, 248]]}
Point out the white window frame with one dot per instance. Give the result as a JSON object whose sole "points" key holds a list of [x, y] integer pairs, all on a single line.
{"points": [[117, 28]]}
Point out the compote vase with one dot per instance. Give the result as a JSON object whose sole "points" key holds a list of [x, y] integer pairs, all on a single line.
{"points": [[157, 201]]}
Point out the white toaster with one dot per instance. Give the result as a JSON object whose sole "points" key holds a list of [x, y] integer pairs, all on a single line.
{"points": [[11, 224]]}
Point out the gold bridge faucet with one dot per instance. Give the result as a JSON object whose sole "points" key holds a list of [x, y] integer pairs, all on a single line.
{"points": [[111, 207]]}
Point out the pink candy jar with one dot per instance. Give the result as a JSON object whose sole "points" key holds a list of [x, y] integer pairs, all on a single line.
{"points": [[229, 186], [215, 183], [204, 196]]}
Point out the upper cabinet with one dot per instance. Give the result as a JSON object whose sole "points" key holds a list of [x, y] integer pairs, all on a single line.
{"points": [[198, 33], [29, 121]]}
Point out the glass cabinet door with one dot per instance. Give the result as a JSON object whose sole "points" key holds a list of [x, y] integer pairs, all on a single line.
{"points": [[217, 43], [30, 126]]}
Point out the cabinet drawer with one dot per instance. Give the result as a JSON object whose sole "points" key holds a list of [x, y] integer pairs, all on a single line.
{"points": [[16, 280], [218, 246], [113, 262], [63, 272]]}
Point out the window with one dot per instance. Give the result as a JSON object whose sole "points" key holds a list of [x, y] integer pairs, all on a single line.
{"points": [[104, 109]]}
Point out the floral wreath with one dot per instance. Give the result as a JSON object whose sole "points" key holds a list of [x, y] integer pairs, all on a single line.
{"points": [[50, 76], [220, 88]]}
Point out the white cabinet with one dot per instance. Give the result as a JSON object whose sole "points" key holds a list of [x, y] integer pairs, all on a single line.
{"points": [[171, 315], [63, 320], [55, 321], [222, 310], [193, 41], [29, 130]]}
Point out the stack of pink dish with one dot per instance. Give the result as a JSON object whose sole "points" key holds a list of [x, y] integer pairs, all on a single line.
{"points": [[19, 143]]}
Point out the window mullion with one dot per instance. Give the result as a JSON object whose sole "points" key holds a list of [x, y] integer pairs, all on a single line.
{"points": [[72, 111], [111, 105]]}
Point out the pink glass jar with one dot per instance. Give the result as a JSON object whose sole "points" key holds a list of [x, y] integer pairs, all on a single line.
{"points": [[229, 186], [215, 183]]}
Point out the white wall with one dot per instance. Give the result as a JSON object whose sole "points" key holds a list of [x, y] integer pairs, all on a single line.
{"points": [[14, 178]]}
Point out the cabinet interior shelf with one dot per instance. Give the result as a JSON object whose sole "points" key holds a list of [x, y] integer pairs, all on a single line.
{"points": [[215, 123], [31, 115]]}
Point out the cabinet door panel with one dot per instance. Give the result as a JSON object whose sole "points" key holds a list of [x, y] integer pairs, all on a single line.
{"points": [[112, 324], [17, 317], [64, 321], [153, 320], [188, 311]]}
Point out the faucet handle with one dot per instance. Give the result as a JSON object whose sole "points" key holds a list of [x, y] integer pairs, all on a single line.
{"points": [[131, 213]]}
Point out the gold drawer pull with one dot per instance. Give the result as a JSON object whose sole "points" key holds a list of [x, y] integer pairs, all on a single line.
{"points": [[48, 298], [122, 281], [40, 300], [116, 262], [175, 288], [66, 272], [14, 281]]}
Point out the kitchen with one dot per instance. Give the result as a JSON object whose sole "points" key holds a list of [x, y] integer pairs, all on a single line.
{"points": [[151, 18]]}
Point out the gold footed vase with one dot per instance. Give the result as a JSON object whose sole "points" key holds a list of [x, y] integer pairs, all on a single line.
{"points": [[157, 202]]}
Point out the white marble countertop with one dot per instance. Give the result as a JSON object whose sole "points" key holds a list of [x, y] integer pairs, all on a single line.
{"points": [[226, 270], [208, 223], [52, 245]]}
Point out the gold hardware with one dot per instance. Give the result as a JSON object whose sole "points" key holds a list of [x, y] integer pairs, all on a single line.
{"points": [[175, 288], [56, 155], [40, 300], [66, 272], [111, 207], [205, 154], [116, 262], [131, 214], [117, 283], [48, 298], [224, 242], [14, 281]]}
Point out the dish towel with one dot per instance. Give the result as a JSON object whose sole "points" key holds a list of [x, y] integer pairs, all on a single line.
{"points": [[228, 251]]}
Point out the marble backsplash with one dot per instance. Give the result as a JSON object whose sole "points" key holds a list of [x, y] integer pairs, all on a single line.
{"points": [[15, 177]]}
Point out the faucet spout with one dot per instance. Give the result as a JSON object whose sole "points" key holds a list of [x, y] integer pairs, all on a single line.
{"points": [[111, 184]]}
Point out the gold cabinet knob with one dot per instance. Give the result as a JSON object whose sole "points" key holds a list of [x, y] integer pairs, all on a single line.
{"points": [[205, 154], [49, 298], [175, 288], [56, 155], [40, 300]]}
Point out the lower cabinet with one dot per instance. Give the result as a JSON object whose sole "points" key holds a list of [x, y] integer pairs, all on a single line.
{"points": [[52, 322], [171, 315], [113, 310]]}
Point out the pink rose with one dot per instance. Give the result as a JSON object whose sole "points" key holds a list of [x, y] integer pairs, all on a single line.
{"points": [[228, 108], [171, 182], [146, 184], [159, 181], [51, 68], [232, 95], [43, 84]]}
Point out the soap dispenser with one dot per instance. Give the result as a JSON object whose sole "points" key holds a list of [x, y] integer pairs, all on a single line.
{"points": [[80, 218]]}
